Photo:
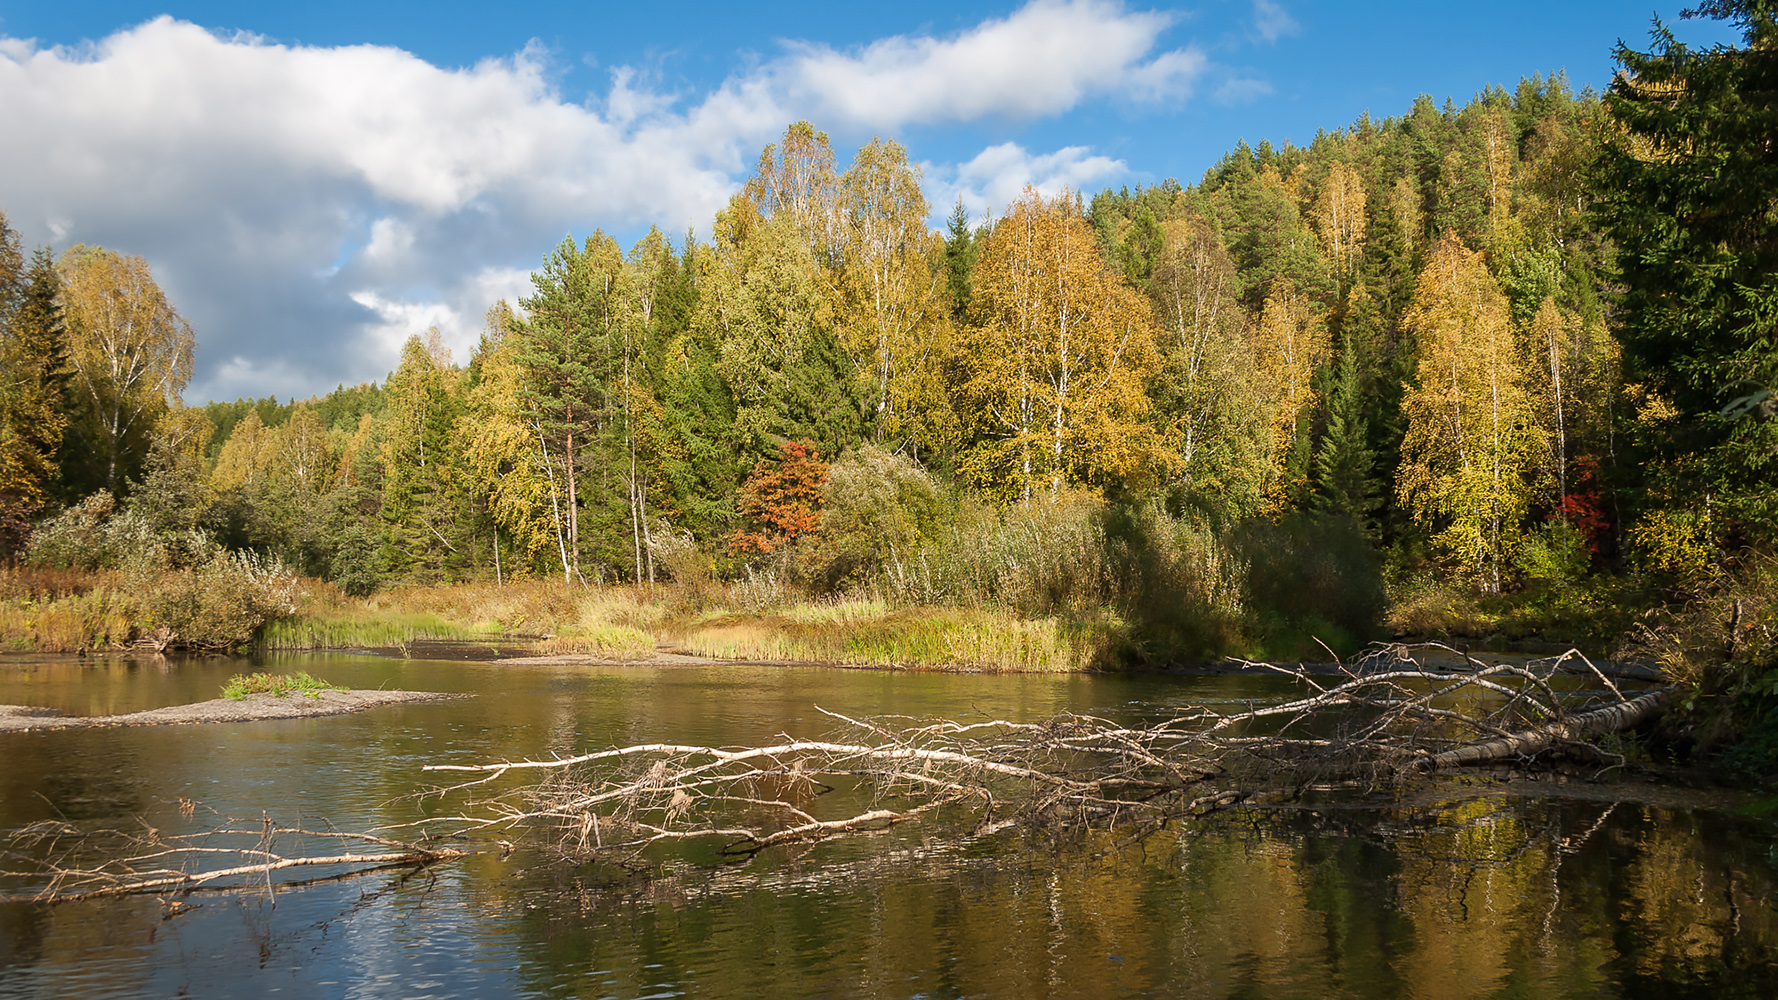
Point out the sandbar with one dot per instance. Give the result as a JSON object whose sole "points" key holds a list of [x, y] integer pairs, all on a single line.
{"points": [[17, 718]]}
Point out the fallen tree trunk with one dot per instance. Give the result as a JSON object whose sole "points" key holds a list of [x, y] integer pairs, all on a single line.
{"points": [[1611, 719]]}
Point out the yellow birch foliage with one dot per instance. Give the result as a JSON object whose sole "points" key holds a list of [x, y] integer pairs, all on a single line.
{"points": [[1404, 202], [303, 451], [796, 181], [501, 453], [1340, 220], [1058, 360], [892, 314], [246, 457], [1207, 364], [130, 352], [1470, 453], [1290, 343]]}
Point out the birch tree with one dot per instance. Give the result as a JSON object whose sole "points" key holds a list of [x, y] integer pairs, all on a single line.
{"points": [[1469, 454], [1059, 360], [1207, 365], [130, 352], [892, 312]]}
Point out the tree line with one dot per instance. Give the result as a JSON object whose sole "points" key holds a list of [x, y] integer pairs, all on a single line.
{"points": [[1530, 337]]}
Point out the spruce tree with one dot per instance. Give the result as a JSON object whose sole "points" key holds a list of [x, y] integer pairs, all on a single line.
{"points": [[1686, 190]]}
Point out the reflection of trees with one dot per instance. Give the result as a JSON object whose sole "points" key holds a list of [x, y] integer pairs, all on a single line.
{"points": [[1452, 899]]}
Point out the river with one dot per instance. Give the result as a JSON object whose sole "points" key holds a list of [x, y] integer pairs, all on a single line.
{"points": [[1467, 887]]}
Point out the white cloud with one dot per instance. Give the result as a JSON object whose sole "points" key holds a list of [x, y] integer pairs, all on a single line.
{"points": [[998, 175], [1273, 21], [307, 208], [1045, 58]]}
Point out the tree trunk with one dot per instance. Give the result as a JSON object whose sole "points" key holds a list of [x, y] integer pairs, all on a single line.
{"points": [[1610, 719]]}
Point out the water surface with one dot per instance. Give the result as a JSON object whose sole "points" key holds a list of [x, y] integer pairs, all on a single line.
{"points": [[1468, 888]]}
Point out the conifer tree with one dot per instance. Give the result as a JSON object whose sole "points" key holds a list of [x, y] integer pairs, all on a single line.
{"points": [[33, 405], [1684, 188], [1344, 462]]}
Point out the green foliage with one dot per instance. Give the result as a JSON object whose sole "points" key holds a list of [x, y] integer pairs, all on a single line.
{"points": [[1555, 555], [1684, 189], [33, 411], [875, 506], [241, 686], [1310, 577], [92, 535]]}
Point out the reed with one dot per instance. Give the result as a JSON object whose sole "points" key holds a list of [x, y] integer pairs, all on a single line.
{"points": [[564, 618], [869, 633]]}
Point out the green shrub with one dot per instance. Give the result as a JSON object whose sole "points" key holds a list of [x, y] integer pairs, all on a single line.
{"points": [[875, 505], [241, 686], [1311, 576]]}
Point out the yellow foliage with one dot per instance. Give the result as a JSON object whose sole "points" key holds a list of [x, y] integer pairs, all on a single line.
{"points": [[1058, 360], [1468, 457]]}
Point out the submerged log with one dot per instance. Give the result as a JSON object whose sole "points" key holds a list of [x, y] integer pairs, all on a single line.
{"points": [[1624, 715]]}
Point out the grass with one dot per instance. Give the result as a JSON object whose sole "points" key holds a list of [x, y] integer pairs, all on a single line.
{"points": [[241, 686], [869, 633]]}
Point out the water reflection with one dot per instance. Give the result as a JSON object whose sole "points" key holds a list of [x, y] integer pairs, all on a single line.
{"points": [[1469, 889]]}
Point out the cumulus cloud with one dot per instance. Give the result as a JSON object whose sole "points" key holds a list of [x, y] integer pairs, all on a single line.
{"points": [[1045, 58], [998, 175], [307, 208], [290, 199]]}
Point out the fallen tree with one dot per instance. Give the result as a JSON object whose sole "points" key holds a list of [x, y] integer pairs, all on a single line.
{"points": [[1388, 719], [75, 864], [1383, 720]]}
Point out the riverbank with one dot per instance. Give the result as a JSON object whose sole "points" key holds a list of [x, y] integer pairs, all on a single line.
{"points": [[253, 708]]}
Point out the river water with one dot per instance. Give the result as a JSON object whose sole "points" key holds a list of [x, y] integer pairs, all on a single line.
{"points": [[1467, 888]]}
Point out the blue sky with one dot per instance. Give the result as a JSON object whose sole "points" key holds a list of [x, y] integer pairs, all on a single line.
{"points": [[314, 181]]}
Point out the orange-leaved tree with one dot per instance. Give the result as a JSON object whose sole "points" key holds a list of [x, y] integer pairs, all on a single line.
{"points": [[781, 500]]}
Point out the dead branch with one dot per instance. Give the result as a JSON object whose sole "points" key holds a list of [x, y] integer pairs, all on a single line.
{"points": [[71, 864], [1385, 718], [1388, 717]]}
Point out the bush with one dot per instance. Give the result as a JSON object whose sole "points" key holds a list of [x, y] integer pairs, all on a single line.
{"points": [[94, 535], [1311, 576], [221, 605], [876, 505]]}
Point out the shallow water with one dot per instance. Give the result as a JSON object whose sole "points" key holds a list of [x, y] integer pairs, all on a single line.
{"points": [[1473, 888]]}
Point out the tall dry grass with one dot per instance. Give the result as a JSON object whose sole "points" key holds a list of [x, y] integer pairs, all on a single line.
{"points": [[561, 617], [870, 633]]}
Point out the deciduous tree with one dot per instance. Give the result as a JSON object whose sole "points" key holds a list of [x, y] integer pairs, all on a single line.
{"points": [[1059, 359], [131, 355], [1469, 458]]}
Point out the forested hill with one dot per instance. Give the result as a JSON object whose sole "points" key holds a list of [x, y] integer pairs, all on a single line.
{"points": [[1411, 342]]}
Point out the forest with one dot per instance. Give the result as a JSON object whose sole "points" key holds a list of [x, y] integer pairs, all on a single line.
{"points": [[1498, 372]]}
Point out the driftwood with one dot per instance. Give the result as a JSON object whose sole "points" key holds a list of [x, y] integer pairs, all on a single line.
{"points": [[1610, 719], [1384, 720], [73, 864]]}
